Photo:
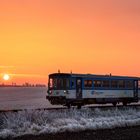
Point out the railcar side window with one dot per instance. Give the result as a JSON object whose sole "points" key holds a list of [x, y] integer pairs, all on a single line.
{"points": [[139, 84], [129, 84], [97, 83], [88, 83], [114, 84], [121, 84], [105, 83], [85, 83]]}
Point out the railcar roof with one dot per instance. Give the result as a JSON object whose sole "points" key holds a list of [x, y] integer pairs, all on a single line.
{"points": [[92, 76]]}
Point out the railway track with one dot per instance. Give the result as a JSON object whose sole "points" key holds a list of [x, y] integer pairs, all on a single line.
{"points": [[38, 109], [65, 108]]}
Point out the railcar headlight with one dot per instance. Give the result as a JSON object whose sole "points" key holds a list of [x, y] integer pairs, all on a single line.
{"points": [[50, 92], [66, 92]]}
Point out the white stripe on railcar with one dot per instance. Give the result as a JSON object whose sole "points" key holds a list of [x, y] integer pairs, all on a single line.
{"points": [[107, 93], [71, 94]]}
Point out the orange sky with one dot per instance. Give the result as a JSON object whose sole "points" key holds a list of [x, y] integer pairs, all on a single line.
{"points": [[38, 37]]}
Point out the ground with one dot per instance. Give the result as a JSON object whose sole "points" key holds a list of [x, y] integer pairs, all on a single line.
{"points": [[124, 133]]}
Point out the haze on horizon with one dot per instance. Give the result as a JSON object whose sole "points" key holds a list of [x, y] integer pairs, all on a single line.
{"points": [[38, 37]]}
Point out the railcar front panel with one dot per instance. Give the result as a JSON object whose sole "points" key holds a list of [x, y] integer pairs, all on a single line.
{"points": [[68, 94]]}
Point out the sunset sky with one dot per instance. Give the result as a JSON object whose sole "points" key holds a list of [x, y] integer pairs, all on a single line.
{"points": [[38, 37]]}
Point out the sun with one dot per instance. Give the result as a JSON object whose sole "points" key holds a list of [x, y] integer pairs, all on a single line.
{"points": [[6, 77]]}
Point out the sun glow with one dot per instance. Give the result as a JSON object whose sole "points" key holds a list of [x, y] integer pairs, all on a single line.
{"points": [[6, 77]]}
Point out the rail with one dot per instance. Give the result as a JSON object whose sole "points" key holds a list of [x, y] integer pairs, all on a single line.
{"points": [[65, 108]]}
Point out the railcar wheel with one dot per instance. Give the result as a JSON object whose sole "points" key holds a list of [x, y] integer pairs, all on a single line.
{"points": [[124, 103], [68, 106], [79, 106], [114, 104]]}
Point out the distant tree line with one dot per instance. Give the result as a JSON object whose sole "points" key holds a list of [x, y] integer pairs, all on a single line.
{"points": [[26, 84]]}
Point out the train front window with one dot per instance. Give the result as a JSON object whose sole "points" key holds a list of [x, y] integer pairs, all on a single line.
{"points": [[59, 83], [52, 83], [66, 83]]}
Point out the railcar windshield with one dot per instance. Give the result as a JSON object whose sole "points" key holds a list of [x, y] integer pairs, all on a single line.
{"points": [[59, 83]]}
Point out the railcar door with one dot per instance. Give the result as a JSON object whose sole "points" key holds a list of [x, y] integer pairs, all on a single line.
{"points": [[135, 89], [78, 88]]}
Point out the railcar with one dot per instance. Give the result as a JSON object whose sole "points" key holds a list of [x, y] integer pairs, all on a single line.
{"points": [[70, 89]]}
